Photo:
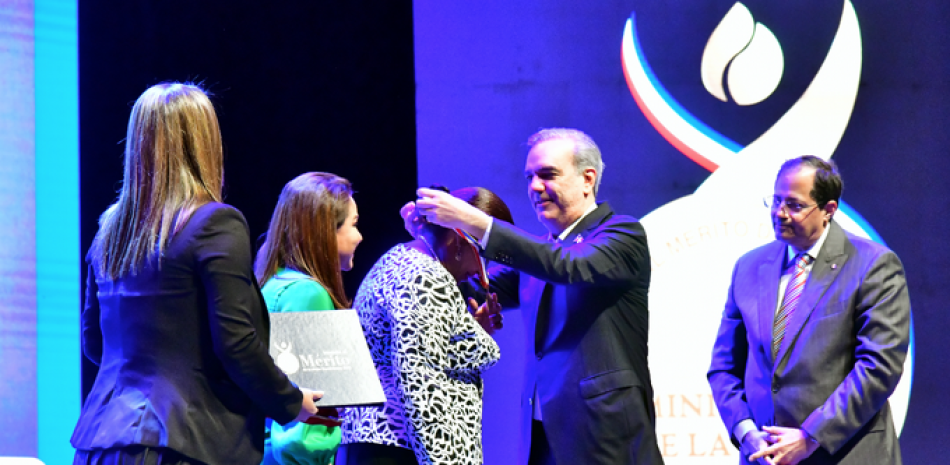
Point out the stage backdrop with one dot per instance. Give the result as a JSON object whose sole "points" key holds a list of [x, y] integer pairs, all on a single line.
{"points": [[694, 106], [39, 234], [297, 86]]}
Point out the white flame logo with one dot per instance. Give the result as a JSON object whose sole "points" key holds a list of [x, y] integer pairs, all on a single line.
{"points": [[752, 50], [696, 239]]}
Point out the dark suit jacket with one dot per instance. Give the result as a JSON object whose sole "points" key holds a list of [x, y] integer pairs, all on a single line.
{"points": [[841, 357], [182, 350], [589, 361]]}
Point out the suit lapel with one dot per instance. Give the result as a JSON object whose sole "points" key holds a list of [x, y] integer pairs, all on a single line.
{"points": [[590, 222], [770, 272], [828, 264], [542, 293]]}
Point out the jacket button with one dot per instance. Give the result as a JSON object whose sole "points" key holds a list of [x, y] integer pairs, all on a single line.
{"points": [[539, 356], [775, 388]]}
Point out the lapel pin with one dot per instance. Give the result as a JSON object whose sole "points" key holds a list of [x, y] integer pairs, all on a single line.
{"points": [[834, 266], [578, 239]]}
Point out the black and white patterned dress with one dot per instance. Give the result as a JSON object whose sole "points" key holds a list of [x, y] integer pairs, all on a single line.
{"points": [[429, 353]]}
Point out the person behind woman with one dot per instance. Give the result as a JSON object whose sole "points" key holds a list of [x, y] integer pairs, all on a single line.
{"points": [[311, 238], [428, 349], [173, 315]]}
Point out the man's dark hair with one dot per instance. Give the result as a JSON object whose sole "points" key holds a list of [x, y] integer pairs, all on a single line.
{"points": [[828, 183]]}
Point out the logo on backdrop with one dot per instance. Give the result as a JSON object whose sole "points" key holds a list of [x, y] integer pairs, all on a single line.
{"points": [[695, 240]]}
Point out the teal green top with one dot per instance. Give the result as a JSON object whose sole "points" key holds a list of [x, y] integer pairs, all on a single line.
{"points": [[298, 443], [292, 291]]}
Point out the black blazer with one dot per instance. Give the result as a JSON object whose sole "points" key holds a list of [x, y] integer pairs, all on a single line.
{"points": [[584, 302], [182, 350]]}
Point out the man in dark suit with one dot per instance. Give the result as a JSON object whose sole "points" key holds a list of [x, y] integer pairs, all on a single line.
{"points": [[588, 397], [814, 334]]}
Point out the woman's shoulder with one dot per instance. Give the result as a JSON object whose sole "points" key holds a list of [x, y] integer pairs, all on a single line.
{"points": [[292, 291], [403, 262], [213, 218], [405, 256], [216, 211], [213, 230], [406, 266]]}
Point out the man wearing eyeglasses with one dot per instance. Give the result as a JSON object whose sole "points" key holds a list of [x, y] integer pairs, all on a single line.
{"points": [[813, 336]]}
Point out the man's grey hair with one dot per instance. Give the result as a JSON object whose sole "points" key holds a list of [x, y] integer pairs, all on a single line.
{"points": [[586, 152]]}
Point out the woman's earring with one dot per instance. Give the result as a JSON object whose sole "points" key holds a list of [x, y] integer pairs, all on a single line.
{"points": [[458, 254]]}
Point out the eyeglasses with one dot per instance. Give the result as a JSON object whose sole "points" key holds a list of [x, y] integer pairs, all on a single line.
{"points": [[775, 202]]}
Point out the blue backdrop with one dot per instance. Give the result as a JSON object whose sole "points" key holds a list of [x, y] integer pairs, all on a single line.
{"points": [[491, 73]]}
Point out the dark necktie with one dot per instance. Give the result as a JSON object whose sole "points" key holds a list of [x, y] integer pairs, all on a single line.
{"points": [[544, 316], [544, 312]]}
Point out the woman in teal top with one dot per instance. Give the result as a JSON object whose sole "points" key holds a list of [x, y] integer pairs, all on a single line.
{"points": [[311, 238]]}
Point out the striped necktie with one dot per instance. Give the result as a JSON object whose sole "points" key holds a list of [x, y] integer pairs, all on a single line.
{"points": [[792, 294]]}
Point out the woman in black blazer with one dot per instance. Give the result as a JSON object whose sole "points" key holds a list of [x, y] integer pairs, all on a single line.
{"points": [[173, 315]]}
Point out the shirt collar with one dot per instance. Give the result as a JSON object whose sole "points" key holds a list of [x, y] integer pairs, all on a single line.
{"points": [[570, 228], [813, 251]]}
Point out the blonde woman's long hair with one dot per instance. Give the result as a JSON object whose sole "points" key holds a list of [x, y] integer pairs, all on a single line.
{"points": [[302, 232], [173, 165]]}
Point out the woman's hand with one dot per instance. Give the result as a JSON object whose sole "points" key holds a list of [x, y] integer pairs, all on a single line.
{"points": [[308, 407], [488, 314], [451, 212], [411, 219]]}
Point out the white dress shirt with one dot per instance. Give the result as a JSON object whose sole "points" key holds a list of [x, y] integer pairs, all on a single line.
{"points": [[745, 426]]}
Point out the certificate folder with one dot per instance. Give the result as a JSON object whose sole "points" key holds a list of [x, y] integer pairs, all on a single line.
{"points": [[326, 351]]}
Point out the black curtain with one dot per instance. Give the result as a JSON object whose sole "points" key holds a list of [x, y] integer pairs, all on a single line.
{"points": [[298, 86]]}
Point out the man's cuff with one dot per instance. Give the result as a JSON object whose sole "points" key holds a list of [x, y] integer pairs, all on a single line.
{"points": [[483, 242], [742, 428]]}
